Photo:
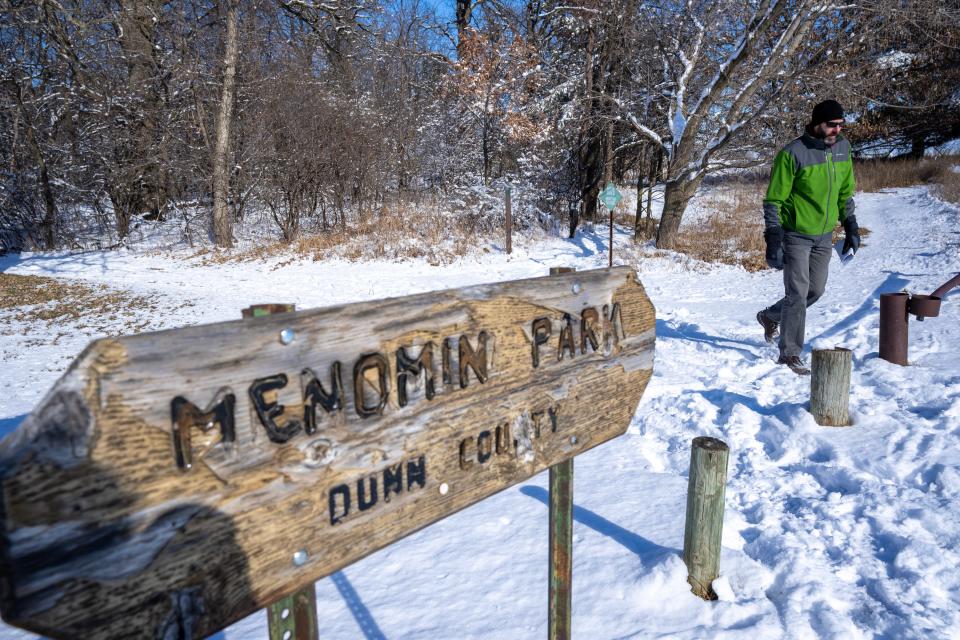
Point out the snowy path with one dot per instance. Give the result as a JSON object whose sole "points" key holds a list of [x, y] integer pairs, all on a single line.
{"points": [[829, 533]]}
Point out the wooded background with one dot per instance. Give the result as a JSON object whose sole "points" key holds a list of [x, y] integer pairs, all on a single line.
{"points": [[324, 114]]}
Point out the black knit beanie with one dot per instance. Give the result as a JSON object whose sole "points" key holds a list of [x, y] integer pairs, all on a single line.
{"points": [[826, 110]]}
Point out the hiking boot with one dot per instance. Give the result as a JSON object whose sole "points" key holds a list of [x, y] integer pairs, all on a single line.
{"points": [[796, 365], [771, 329]]}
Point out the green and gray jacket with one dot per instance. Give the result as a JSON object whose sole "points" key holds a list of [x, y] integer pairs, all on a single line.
{"points": [[811, 186]]}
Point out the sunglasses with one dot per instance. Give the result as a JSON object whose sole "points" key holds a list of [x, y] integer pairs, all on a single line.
{"points": [[834, 125]]}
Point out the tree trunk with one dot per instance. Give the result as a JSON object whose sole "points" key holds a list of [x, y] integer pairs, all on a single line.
{"points": [[49, 224], [638, 212], [222, 225], [830, 386], [918, 145], [136, 174], [654, 174], [675, 198], [463, 11]]}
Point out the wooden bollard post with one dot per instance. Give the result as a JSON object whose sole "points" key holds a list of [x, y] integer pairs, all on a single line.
{"points": [[704, 524], [293, 617], [830, 386]]}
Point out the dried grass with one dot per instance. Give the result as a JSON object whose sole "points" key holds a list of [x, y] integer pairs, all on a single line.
{"points": [[875, 175], [733, 232], [396, 232], [33, 299]]}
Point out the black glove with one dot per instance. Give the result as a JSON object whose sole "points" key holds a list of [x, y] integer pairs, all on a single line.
{"points": [[774, 238], [852, 230]]}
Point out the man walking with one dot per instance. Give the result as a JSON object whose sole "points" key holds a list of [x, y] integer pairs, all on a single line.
{"points": [[811, 187]]}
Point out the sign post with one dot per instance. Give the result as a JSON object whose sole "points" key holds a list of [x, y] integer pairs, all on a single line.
{"points": [[508, 220], [610, 197], [292, 617], [177, 481]]}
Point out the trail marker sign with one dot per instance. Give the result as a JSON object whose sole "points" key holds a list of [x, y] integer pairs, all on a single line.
{"points": [[173, 482], [610, 197]]}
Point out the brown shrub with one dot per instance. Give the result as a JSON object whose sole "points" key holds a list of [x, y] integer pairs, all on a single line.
{"points": [[733, 232], [878, 174], [395, 232]]}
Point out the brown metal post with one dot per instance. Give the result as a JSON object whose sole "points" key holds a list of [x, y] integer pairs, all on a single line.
{"points": [[508, 215], [293, 617], [894, 327], [610, 262], [561, 539], [561, 550]]}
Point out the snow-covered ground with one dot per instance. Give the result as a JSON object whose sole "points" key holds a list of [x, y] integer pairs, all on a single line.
{"points": [[829, 532]]}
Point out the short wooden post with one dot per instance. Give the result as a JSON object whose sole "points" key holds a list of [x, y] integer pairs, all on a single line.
{"points": [[292, 617], [508, 221], [561, 539], [830, 386], [704, 524]]}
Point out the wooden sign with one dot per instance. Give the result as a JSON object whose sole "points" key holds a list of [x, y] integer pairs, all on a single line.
{"points": [[173, 482]]}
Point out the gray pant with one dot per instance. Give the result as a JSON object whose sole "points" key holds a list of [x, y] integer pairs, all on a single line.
{"points": [[806, 260]]}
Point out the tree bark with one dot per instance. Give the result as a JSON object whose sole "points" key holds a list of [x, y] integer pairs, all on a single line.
{"points": [[830, 386], [222, 225], [136, 176], [464, 10], [703, 528], [49, 224], [677, 194]]}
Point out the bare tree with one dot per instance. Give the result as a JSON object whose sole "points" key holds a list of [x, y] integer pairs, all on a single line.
{"points": [[724, 65], [222, 222]]}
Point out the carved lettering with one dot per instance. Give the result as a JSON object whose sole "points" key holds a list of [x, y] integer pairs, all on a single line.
{"points": [[366, 362], [566, 342], [505, 441], [536, 417], [500, 441], [392, 481], [408, 367], [476, 360], [445, 350], [484, 446], [417, 472], [541, 330], [363, 502], [185, 415], [466, 454], [338, 514], [314, 394], [612, 325], [268, 411], [588, 319], [339, 498]]}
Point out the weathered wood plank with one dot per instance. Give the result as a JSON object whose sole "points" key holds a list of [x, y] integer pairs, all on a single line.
{"points": [[168, 481]]}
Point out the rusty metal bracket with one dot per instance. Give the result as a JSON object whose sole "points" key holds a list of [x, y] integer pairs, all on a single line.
{"points": [[895, 311]]}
